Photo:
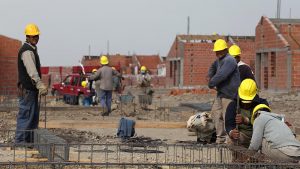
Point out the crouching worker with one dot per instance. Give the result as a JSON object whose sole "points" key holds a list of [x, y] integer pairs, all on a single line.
{"points": [[238, 114], [273, 136]]}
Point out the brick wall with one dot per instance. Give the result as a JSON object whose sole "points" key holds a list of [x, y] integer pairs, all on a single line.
{"points": [[197, 60], [274, 38], [296, 70], [198, 56], [126, 63], [56, 74], [8, 60]]}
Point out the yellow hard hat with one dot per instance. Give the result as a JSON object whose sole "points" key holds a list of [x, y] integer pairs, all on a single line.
{"points": [[84, 83], [143, 68], [219, 45], [235, 50], [104, 60], [247, 90], [32, 30], [255, 110], [94, 70]]}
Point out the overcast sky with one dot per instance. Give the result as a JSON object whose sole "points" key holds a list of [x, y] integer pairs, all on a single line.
{"points": [[68, 27]]}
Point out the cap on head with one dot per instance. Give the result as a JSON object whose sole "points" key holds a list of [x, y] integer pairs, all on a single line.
{"points": [[247, 90], [94, 70], [31, 30], [220, 45], [104, 60], [235, 50]]}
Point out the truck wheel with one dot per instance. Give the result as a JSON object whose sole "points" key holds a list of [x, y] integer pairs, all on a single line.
{"points": [[80, 99]]}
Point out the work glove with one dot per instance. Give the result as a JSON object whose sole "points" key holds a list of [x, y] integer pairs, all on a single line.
{"points": [[43, 89]]}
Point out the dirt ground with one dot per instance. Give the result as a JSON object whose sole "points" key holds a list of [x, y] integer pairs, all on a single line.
{"points": [[165, 107]]}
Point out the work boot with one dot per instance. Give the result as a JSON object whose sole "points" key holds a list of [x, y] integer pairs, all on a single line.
{"points": [[104, 112]]}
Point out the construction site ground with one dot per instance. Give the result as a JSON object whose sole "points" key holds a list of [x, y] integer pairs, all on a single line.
{"points": [[163, 122]]}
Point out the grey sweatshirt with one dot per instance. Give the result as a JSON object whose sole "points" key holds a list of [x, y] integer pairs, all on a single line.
{"points": [[225, 76], [105, 76], [269, 126]]}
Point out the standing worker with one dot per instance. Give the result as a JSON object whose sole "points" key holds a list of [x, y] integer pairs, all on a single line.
{"points": [[105, 76], [224, 76], [144, 83], [244, 69], [96, 87], [30, 86]]}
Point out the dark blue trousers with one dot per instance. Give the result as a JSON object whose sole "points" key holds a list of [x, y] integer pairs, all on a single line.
{"points": [[28, 117]]}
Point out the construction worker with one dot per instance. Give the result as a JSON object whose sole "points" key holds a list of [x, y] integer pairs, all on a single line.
{"points": [[238, 113], [273, 136], [244, 69], [87, 101], [96, 87], [144, 83], [116, 82], [30, 86], [224, 77], [105, 76], [116, 86]]}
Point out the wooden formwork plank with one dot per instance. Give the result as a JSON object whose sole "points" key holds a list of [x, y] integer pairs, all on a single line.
{"points": [[22, 152], [54, 108], [31, 160], [76, 124]]}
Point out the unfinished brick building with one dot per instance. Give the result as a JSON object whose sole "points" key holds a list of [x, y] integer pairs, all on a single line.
{"points": [[8, 70], [190, 57], [129, 64], [278, 54]]}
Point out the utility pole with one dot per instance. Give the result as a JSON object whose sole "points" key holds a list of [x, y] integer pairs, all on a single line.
{"points": [[107, 47], [278, 9], [188, 28], [290, 13], [188, 25], [89, 51]]}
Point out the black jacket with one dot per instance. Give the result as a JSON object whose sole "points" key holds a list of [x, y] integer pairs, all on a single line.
{"points": [[231, 112]]}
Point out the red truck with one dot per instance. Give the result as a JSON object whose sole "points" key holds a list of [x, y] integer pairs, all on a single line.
{"points": [[71, 89]]}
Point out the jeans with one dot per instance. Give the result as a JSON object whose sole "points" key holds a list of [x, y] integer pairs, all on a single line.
{"points": [[105, 99], [28, 116]]}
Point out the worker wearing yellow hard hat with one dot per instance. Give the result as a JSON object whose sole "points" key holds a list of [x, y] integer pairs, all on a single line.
{"points": [[104, 60], [145, 93], [30, 85], [84, 84], [94, 70], [239, 113], [223, 76], [104, 76], [273, 137], [244, 69]]}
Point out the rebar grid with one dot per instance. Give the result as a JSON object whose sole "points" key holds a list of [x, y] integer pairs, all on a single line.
{"points": [[136, 155], [51, 146]]}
